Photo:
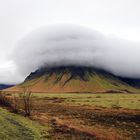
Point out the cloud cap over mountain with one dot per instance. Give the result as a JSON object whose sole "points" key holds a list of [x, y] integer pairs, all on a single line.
{"points": [[75, 45]]}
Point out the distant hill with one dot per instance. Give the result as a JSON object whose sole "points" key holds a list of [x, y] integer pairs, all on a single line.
{"points": [[131, 81], [4, 86], [75, 79]]}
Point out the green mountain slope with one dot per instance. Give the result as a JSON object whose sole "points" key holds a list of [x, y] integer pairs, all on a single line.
{"points": [[74, 79]]}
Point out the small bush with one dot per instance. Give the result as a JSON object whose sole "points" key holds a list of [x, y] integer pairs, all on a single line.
{"points": [[15, 104], [27, 98], [98, 96], [4, 99]]}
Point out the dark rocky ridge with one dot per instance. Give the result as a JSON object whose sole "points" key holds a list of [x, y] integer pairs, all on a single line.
{"points": [[81, 72], [75, 71]]}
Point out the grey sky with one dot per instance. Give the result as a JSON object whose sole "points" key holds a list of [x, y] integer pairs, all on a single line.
{"points": [[19, 17]]}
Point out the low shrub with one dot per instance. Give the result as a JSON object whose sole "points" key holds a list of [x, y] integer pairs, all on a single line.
{"points": [[4, 99]]}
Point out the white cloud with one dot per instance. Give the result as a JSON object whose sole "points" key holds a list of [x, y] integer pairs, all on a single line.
{"points": [[75, 45]]}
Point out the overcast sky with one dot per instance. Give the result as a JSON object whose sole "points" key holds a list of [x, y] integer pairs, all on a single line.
{"points": [[114, 18]]}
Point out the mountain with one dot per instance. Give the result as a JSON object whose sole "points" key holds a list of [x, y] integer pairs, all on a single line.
{"points": [[75, 79]]}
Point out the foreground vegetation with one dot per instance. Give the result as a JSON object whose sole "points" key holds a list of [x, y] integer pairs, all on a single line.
{"points": [[16, 127], [70, 116]]}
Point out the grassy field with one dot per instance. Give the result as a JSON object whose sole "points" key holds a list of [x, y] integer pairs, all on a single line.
{"points": [[16, 127], [129, 101], [78, 115], [75, 116]]}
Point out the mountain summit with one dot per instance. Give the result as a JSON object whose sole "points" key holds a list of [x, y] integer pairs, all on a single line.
{"points": [[75, 79]]}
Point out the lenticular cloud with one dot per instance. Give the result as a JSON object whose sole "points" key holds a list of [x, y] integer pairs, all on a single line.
{"points": [[76, 45]]}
